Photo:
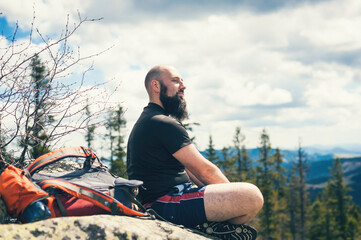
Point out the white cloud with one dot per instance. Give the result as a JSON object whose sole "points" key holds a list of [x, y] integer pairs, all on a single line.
{"points": [[249, 94], [330, 87], [326, 95], [272, 69], [332, 24]]}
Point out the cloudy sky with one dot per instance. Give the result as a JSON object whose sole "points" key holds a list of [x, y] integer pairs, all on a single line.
{"points": [[292, 67]]}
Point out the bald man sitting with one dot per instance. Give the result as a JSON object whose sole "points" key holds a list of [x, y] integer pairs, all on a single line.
{"points": [[161, 154]]}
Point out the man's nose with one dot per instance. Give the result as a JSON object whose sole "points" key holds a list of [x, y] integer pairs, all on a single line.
{"points": [[182, 86]]}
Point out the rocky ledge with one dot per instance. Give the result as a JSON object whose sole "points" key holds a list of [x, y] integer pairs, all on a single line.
{"points": [[98, 227]]}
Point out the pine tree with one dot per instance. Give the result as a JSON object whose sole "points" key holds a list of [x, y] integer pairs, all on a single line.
{"points": [[189, 127], [281, 217], [90, 128], [340, 202], [329, 223], [279, 177], [266, 184], [227, 165], [302, 193], [336, 191], [293, 203], [248, 169], [109, 137], [237, 141], [115, 123], [118, 166], [37, 138], [243, 168], [319, 219], [354, 221], [334, 216], [211, 153]]}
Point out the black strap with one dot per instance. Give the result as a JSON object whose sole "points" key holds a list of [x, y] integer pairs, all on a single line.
{"points": [[27, 173], [60, 205], [155, 215], [151, 212], [114, 209], [133, 199]]}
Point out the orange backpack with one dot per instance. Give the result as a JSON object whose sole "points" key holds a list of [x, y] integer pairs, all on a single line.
{"points": [[87, 191], [18, 192]]}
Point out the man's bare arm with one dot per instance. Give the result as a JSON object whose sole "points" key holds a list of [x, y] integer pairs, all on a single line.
{"points": [[194, 179], [202, 169]]}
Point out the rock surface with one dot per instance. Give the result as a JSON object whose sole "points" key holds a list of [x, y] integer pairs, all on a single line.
{"points": [[98, 227]]}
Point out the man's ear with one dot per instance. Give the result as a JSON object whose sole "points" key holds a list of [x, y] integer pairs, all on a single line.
{"points": [[155, 85]]}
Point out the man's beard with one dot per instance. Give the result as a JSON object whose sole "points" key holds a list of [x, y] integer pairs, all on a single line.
{"points": [[175, 106]]}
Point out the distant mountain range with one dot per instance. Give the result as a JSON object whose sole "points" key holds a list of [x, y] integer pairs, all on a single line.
{"points": [[313, 153]]}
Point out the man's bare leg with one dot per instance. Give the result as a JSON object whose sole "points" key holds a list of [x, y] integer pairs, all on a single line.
{"points": [[236, 203]]}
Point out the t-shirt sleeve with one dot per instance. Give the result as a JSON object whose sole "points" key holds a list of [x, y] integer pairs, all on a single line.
{"points": [[172, 135]]}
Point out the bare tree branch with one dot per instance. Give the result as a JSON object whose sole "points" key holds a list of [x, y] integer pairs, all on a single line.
{"points": [[60, 99]]}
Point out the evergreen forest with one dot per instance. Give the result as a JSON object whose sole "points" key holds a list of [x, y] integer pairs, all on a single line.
{"points": [[288, 212]]}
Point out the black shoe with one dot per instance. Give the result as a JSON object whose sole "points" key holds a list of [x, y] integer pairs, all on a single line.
{"points": [[228, 231]]}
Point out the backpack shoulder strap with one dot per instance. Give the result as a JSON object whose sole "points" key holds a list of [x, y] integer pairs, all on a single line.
{"points": [[98, 198], [59, 154]]}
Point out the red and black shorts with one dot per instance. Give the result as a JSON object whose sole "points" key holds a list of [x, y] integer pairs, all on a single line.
{"points": [[183, 205]]}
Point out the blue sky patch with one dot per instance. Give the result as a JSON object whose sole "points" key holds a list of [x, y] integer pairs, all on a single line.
{"points": [[8, 29]]}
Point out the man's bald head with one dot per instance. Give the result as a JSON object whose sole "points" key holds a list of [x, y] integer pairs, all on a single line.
{"points": [[156, 73]]}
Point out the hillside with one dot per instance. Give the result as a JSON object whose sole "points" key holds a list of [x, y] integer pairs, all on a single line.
{"points": [[319, 173]]}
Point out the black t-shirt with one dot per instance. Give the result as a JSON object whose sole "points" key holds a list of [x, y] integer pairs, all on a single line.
{"points": [[153, 140]]}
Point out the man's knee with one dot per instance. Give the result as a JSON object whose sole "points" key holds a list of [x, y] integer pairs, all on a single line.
{"points": [[249, 194], [231, 200], [256, 197]]}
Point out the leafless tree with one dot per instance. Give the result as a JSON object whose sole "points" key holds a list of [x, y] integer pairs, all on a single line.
{"points": [[62, 98]]}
